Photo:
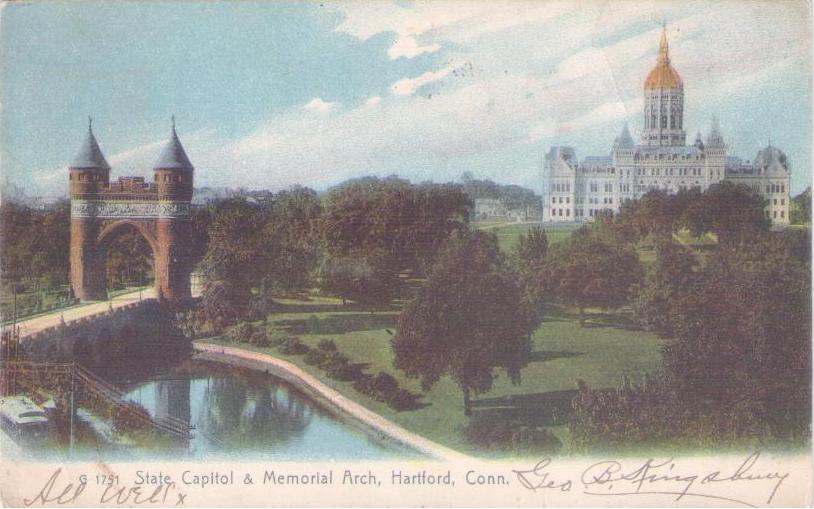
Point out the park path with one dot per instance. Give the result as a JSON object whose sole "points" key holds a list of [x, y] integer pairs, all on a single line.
{"points": [[38, 323]]}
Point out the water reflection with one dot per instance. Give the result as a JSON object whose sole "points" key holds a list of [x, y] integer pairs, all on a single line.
{"points": [[236, 412]]}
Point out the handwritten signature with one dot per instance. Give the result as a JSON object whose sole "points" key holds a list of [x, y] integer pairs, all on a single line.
{"points": [[611, 478], [59, 492]]}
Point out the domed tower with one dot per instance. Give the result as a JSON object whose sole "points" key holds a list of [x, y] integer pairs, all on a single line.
{"points": [[663, 102], [89, 175], [173, 181]]}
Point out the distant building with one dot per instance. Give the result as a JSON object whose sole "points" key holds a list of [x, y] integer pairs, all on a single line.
{"points": [[489, 208], [577, 191]]}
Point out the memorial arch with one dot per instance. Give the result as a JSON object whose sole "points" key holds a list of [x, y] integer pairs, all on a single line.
{"points": [[158, 211]]}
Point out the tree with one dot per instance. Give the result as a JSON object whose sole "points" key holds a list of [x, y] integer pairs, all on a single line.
{"points": [[291, 238], [233, 262], [467, 320], [800, 212], [588, 271], [530, 250], [367, 279], [406, 222], [673, 275], [741, 338], [529, 257], [733, 212]]}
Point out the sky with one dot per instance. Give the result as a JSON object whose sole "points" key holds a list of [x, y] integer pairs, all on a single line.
{"points": [[272, 94]]}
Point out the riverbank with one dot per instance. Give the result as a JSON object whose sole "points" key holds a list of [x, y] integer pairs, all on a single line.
{"points": [[326, 395]]}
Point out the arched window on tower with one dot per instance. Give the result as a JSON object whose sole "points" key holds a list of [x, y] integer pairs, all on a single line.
{"points": [[664, 121], [652, 121]]}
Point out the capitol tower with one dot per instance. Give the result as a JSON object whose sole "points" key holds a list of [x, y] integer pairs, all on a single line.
{"points": [[663, 102], [577, 190]]}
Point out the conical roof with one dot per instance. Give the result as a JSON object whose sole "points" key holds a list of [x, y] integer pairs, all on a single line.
{"points": [[173, 157], [90, 155], [625, 140], [714, 138]]}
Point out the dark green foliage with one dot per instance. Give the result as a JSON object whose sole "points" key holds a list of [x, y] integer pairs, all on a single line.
{"points": [[589, 271], [800, 212], [467, 320], [35, 243], [383, 387], [230, 267], [733, 212], [400, 223], [245, 332], [292, 346], [368, 279], [497, 432], [129, 261], [673, 275], [327, 345], [737, 357], [513, 197]]}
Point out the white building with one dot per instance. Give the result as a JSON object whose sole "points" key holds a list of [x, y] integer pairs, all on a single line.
{"points": [[489, 208], [576, 191]]}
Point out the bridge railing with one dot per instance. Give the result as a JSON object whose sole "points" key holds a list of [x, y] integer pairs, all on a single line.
{"points": [[25, 373]]}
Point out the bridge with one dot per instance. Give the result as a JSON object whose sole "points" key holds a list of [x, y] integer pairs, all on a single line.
{"points": [[104, 398]]}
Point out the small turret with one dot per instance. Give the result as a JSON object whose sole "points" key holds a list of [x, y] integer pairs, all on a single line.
{"points": [[714, 138], [624, 140], [173, 171], [89, 171], [699, 143]]}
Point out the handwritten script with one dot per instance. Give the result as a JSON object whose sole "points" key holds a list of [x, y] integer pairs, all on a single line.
{"points": [[58, 491], [659, 478]]}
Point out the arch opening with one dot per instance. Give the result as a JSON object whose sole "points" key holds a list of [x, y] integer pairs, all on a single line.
{"points": [[128, 255]]}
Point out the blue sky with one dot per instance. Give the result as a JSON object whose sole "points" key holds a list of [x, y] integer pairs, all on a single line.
{"points": [[269, 94]]}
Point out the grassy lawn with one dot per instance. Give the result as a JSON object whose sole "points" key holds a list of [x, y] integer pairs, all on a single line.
{"points": [[507, 233], [601, 353]]}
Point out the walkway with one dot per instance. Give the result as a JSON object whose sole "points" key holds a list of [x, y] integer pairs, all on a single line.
{"points": [[40, 322], [336, 401]]}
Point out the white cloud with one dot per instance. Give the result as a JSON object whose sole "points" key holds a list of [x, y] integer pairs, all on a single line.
{"points": [[540, 73], [409, 86], [319, 105], [407, 46]]}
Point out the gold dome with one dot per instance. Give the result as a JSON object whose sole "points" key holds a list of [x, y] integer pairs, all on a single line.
{"points": [[663, 75]]}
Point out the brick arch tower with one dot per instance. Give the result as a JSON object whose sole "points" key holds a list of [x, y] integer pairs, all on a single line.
{"points": [[158, 210]]}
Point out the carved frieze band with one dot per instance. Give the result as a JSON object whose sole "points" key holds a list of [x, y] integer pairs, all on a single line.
{"points": [[129, 209]]}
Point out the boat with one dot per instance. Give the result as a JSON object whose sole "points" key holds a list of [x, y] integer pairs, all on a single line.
{"points": [[23, 420]]}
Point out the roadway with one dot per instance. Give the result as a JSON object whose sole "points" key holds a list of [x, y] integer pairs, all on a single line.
{"points": [[40, 322]]}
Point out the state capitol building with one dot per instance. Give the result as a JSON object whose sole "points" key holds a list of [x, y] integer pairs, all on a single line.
{"points": [[576, 191]]}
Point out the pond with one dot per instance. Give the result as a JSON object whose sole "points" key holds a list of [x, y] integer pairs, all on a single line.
{"points": [[239, 412], [232, 413]]}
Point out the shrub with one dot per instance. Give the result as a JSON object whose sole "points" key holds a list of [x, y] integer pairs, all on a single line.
{"points": [[383, 385], [315, 357], [327, 345], [259, 337], [293, 346], [402, 399], [240, 333], [277, 336], [496, 432], [364, 385]]}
